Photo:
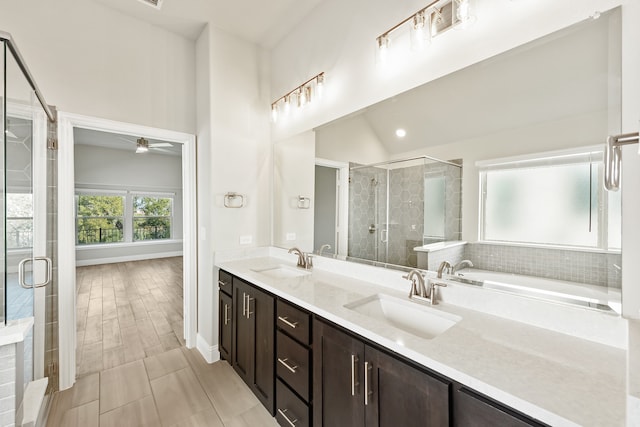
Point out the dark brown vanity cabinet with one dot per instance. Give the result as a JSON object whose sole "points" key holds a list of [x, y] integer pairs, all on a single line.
{"points": [[471, 409], [293, 365], [355, 384], [225, 315], [253, 340]]}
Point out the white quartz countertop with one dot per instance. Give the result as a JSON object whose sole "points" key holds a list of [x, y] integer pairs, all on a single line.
{"points": [[556, 378]]}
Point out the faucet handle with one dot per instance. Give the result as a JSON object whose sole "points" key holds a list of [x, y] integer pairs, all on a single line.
{"points": [[309, 262]]}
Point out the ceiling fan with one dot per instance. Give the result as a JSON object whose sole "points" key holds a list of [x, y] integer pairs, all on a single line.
{"points": [[143, 145]]}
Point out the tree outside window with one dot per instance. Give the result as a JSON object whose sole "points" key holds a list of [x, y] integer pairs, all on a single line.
{"points": [[152, 218], [100, 219]]}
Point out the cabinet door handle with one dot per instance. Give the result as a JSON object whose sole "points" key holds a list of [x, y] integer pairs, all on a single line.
{"points": [[249, 312], [367, 369], [284, 363], [291, 422], [244, 304], [354, 374], [286, 321], [221, 283], [226, 314]]}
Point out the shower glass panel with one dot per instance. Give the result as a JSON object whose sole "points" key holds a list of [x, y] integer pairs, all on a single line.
{"points": [[397, 206]]}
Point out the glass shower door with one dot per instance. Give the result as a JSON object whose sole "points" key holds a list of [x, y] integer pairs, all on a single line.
{"points": [[24, 214]]}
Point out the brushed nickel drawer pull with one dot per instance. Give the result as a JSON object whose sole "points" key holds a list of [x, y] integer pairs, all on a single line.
{"points": [[367, 393], [244, 304], [226, 314], [249, 312], [292, 423], [221, 283], [354, 371], [286, 321], [284, 363]]}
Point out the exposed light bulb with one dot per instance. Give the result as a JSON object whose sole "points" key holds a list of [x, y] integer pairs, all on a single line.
{"points": [[274, 112], [320, 86], [287, 105], [303, 97], [465, 13], [420, 34], [383, 48]]}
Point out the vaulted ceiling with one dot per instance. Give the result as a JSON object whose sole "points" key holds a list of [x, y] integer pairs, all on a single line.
{"points": [[258, 21]]}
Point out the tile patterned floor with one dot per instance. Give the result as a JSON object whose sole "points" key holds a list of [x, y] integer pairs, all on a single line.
{"points": [[133, 368]]}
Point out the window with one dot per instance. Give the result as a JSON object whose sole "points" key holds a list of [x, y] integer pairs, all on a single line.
{"points": [[19, 220], [152, 217], [100, 219], [556, 199]]}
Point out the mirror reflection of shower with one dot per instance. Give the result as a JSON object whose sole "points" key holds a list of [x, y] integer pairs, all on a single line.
{"points": [[399, 205]]}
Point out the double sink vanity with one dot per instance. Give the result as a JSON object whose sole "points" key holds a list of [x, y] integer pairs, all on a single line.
{"points": [[343, 344]]}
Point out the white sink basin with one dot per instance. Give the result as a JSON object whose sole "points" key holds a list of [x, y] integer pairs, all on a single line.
{"points": [[411, 317], [283, 272]]}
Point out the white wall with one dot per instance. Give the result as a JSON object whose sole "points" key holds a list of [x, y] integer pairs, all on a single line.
{"points": [[99, 168], [294, 158], [234, 154], [350, 140], [95, 61]]}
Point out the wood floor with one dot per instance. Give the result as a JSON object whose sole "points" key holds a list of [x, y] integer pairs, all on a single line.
{"points": [[133, 368]]}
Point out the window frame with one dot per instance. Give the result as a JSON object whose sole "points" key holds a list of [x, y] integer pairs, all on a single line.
{"points": [[552, 158], [100, 193], [170, 196]]}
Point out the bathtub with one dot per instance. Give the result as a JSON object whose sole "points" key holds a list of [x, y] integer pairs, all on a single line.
{"points": [[577, 294]]}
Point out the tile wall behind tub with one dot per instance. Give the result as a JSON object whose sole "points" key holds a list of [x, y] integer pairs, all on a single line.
{"points": [[575, 266]]}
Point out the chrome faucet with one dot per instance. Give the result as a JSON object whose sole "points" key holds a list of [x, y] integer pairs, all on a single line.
{"points": [[462, 264], [444, 265], [418, 289], [304, 260]]}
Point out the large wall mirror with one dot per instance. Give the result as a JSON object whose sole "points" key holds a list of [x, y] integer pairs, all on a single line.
{"points": [[488, 132]]}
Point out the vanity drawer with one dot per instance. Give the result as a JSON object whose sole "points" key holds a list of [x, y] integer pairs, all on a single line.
{"points": [[290, 410], [294, 321], [293, 364], [224, 282]]}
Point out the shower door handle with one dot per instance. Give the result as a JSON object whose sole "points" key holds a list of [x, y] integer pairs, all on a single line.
{"points": [[384, 235], [21, 272]]}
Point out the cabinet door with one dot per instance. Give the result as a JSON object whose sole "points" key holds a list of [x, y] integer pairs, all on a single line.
{"points": [[337, 378], [473, 410], [400, 395], [261, 313], [225, 325], [243, 348]]}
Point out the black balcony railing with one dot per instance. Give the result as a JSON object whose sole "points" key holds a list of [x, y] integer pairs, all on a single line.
{"points": [[113, 235], [99, 235], [152, 232]]}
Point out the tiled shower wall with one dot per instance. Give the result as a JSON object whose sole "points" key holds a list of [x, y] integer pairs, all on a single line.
{"points": [[51, 304], [8, 385], [601, 269], [368, 187]]}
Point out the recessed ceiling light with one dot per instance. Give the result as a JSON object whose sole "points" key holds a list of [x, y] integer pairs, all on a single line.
{"points": [[401, 133]]}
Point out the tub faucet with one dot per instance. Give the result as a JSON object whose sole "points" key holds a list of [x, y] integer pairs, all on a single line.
{"points": [[323, 247], [444, 265], [304, 260], [462, 264], [417, 289]]}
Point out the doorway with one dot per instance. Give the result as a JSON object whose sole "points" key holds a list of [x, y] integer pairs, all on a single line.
{"points": [[331, 210], [68, 123]]}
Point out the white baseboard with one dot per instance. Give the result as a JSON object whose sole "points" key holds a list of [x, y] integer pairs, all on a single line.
{"points": [[209, 352], [137, 257]]}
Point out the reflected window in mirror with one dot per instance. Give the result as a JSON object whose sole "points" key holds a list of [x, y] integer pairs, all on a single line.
{"points": [[554, 199]]}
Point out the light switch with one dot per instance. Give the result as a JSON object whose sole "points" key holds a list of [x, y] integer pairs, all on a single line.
{"points": [[291, 236], [246, 240]]}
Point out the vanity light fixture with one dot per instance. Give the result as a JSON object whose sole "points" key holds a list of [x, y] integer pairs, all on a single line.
{"points": [[428, 22], [303, 95]]}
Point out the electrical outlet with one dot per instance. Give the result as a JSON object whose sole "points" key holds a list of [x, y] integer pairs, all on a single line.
{"points": [[246, 240], [291, 236]]}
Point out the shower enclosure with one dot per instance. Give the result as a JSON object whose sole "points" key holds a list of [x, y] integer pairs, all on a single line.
{"points": [[399, 205], [26, 270]]}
